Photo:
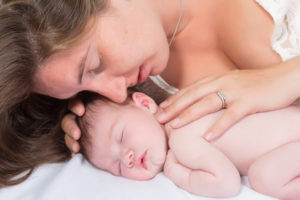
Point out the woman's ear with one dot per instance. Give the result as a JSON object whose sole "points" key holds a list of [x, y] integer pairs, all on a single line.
{"points": [[144, 101]]}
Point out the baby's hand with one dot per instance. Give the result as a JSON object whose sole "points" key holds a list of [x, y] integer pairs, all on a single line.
{"points": [[70, 127]]}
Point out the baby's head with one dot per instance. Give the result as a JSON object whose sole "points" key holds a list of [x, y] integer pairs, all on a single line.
{"points": [[124, 139]]}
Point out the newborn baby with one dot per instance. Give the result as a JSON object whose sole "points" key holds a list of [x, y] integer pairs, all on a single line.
{"points": [[126, 140]]}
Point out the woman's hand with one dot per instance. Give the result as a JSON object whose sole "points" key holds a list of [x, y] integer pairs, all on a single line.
{"points": [[70, 126], [246, 92]]}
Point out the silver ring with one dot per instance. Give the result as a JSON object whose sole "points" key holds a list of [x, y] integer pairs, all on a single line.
{"points": [[222, 96]]}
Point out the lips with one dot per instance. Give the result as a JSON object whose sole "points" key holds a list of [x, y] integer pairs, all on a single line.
{"points": [[143, 74], [143, 160]]}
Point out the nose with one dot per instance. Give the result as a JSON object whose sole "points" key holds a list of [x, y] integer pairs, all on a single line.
{"points": [[114, 88], [128, 159]]}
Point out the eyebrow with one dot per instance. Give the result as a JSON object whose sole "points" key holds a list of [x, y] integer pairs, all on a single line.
{"points": [[82, 66]]}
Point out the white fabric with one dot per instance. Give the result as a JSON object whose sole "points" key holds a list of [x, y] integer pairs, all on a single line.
{"points": [[286, 35], [286, 16], [78, 180], [160, 82]]}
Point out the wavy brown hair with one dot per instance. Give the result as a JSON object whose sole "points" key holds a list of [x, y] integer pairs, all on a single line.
{"points": [[31, 31]]}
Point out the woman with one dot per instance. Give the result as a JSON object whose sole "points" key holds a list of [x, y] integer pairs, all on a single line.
{"points": [[59, 48], [208, 43]]}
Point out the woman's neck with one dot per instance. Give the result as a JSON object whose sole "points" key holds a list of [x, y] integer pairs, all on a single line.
{"points": [[197, 36], [169, 12]]}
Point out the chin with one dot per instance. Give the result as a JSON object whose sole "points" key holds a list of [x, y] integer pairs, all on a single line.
{"points": [[143, 177], [146, 175]]}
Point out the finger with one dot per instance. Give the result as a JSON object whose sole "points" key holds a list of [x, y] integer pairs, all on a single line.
{"points": [[184, 101], [70, 126], [230, 117], [178, 94], [208, 104], [76, 106], [173, 98], [176, 107], [72, 144]]}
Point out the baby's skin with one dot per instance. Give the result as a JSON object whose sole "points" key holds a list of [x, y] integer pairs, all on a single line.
{"points": [[126, 140]]}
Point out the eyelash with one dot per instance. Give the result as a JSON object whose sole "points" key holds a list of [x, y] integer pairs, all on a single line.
{"points": [[96, 70], [119, 169], [121, 137], [99, 68]]}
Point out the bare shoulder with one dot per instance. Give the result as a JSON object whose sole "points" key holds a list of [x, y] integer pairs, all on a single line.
{"points": [[192, 132], [244, 33], [183, 136]]}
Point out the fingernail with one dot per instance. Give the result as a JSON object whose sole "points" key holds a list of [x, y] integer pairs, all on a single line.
{"points": [[73, 133], [75, 147], [164, 104], [161, 116], [209, 136], [175, 123]]}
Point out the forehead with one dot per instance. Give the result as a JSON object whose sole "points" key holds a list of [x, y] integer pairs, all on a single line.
{"points": [[103, 118], [57, 76]]}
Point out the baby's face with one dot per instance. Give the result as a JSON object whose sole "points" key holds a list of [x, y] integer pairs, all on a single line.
{"points": [[126, 140]]}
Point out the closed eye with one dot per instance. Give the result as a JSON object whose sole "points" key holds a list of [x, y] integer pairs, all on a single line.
{"points": [[119, 169], [95, 67], [121, 137], [95, 71], [99, 67]]}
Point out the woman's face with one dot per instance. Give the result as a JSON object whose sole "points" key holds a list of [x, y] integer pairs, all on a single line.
{"points": [[125, 45]]}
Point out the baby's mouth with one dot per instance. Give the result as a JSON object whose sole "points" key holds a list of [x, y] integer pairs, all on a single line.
{"points": [[144, 161]]}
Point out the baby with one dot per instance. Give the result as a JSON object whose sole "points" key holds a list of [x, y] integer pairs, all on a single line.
{"points": [[126, 140]]}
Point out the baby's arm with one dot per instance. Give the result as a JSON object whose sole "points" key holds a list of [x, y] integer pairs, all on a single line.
{"points": [[196, 166]]}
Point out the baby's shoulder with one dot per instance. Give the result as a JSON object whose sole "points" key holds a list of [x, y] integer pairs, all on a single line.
{"points": [[184, 136]]}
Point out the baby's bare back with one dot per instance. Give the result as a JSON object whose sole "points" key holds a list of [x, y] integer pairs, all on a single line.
{"points": [[254, 136]]}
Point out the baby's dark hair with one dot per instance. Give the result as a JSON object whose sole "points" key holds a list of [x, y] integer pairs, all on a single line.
{"points": [[89, 99], [85, 122]]}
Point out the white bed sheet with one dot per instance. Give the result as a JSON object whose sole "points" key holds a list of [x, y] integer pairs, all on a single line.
{"points": [[77, 180]]}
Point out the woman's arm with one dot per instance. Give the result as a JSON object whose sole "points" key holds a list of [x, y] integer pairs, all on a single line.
{"points": [[246, 92], [196, 166]]}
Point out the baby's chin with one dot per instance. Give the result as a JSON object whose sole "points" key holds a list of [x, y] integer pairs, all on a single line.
{"points": [[146, 175]]}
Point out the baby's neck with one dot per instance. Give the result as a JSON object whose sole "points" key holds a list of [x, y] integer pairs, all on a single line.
{"points": [[165, 127]]}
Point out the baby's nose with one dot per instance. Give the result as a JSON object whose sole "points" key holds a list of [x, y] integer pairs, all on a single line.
{"points": [[128, 159]]}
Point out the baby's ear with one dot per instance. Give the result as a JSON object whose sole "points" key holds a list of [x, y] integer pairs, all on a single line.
{"points": [[144, 101]]}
